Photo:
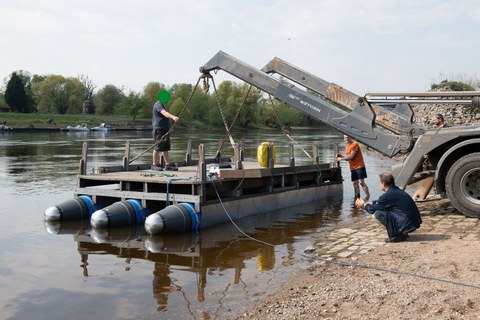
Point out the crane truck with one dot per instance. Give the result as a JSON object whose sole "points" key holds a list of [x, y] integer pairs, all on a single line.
{"points": [[382, 122]]}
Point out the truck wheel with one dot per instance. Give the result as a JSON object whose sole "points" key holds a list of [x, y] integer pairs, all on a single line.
{"points": [[463, 185]]}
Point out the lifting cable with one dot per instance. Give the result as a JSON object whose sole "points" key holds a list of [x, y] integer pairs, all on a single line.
{"points": [[175, 123], [286, 132]]}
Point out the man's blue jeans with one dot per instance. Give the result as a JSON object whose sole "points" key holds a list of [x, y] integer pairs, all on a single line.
{"points": [[388, 221]]}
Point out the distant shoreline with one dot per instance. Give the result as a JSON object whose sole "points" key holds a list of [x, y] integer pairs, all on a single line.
{"points": [[65, 130]]}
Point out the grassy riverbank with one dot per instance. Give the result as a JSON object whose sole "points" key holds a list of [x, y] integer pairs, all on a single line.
{"points": [[43, 121]]}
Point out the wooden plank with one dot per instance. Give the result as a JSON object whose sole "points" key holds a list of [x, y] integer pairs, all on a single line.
{"points": [[147, 175], [245, 173], [158, 196], [265, 172]]}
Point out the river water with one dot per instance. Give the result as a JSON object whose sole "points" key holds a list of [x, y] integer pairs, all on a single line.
{"points": [[69, 271]]}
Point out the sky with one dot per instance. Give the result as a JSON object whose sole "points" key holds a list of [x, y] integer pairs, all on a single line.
{"points": [[363, 46]]}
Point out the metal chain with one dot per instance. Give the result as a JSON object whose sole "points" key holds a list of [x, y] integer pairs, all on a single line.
{"points": [[232, 142], [275, 112], [240, 108], [285, 132], [235, 118]]}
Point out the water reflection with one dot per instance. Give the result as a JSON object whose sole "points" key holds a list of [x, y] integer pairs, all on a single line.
{"points": [[268, 240], [126, 274]]}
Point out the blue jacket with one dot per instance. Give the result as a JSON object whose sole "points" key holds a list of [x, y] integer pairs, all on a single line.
{"points": [[401, 206]]}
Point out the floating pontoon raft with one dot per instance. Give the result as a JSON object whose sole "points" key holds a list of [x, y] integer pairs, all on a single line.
{"points": [[200, 194]]}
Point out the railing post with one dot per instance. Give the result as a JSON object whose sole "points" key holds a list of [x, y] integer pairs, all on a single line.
{"points": [[188, 155], [291, 153], [271, 163], [237, 157], [83, 161], [202, 170], [126, 158], [316, 158], [336, 163], [242, 149]]}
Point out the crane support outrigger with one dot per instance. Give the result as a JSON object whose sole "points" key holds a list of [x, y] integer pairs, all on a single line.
{"points": [[451, 155]]}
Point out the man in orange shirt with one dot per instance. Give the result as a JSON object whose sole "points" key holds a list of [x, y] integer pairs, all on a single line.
{"points": [[354, 156]]}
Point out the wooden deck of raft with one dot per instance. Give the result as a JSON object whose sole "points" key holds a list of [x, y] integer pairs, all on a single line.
{"points": [[195, 183]]}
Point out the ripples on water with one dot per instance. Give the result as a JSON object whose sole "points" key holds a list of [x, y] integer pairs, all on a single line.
{"points": [[68, 270]]}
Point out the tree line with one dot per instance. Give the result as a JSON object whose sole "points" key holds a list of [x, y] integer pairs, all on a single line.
{"points": [[232, 103]]}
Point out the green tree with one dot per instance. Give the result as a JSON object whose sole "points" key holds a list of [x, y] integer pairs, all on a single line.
{"points": [[452, 86], [238, 103], [280, 114], [131, 104], [27, 80], [149, 97], [197, 108], [457, 82], [3, 104], [15, 95], [108, 99], [36, 78], [57, 94], [177, 107], [201, 104], [151, 90], [88, 104]]}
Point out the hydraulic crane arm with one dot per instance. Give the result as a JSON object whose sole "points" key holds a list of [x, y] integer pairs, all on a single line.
{"points": [[398, 120], [359, 123]]}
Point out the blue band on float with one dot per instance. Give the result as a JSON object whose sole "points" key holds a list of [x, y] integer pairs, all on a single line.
{"points": [[90, 205], [194, 216], [140, 212]]}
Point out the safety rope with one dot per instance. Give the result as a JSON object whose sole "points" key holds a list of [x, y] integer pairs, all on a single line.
{"points": [[175, 124], [285, 130]]}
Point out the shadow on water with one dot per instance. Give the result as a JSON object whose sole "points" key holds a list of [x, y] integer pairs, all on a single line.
{"points": [[270, 241]]}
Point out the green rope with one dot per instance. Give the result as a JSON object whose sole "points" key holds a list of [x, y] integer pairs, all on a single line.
{"points": [[166, 175]]}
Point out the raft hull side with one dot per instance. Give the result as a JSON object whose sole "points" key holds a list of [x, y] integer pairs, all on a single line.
{"points": [[213, 213]]}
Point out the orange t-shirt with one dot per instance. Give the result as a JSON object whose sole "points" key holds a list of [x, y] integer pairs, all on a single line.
{"points": [[357, 161]]}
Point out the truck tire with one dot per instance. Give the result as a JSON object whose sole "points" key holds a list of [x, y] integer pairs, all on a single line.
{"points": [[463, 185]]}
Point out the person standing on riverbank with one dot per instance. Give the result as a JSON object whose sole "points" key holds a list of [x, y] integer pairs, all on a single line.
{"points": [[160, 127], [395, 209], [358, 172], [439, 121]]}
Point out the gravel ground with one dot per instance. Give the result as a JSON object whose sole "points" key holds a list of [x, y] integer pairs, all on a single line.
{"points": [[433, 275]]}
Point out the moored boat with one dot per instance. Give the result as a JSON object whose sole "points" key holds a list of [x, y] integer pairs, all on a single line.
{"points": [[4, 127], [102, 127], [77, 128]]}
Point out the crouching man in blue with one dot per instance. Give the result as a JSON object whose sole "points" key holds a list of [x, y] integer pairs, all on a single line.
{"points": [[395, 209]]}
